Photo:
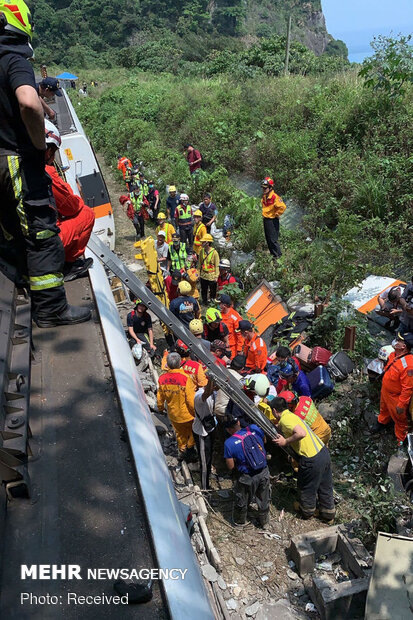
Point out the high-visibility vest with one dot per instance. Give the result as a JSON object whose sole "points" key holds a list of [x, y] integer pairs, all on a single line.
{"points": [[136, 202], [178, 258], [168, 229], [184, 214], [199, 231], [206, 263]]}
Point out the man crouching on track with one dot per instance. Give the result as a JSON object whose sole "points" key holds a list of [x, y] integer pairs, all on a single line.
{"points": [[177, 390]]}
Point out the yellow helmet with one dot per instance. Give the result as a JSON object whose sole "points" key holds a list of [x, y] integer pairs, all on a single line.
{"points": [[16, 17], [184, 288], [198, 213], [161, 216], [196, 327], [207, 238], [172, 188]]}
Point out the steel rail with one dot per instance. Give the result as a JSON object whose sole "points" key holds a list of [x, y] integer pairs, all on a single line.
{"points": [[186, 599]]}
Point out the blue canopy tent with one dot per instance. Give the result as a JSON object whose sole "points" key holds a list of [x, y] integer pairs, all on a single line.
{"points": [[65, 79]]}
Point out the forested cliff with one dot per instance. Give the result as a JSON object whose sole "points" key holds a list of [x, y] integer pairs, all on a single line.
{"points": [[87, 32]]}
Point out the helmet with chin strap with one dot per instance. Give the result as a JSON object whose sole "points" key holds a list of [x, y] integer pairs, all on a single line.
{"points": [[16, 17], [52, 134]]}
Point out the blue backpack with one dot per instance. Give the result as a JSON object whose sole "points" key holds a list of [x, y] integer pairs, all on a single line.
{"points": [[255, 456]]}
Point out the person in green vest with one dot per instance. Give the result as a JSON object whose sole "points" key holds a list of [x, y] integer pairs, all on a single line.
{"points": [[185, 222], [138, 201], [177, 254]]}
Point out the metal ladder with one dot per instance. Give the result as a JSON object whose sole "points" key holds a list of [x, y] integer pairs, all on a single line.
{"points": [[219, 374]]}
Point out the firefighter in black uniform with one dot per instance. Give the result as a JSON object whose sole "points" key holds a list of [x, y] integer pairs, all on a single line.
{"points": [[28, 229]]}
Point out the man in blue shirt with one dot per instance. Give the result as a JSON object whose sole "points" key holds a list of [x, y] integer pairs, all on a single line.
{"points": [[185, 307], [296, 380], [251, 483]]}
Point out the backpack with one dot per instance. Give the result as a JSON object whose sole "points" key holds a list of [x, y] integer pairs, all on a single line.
{"points": [[254, 454]]}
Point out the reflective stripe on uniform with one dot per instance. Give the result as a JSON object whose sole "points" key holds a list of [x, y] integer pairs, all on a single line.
{"points": [[45, 234], [404, 363], [16, 180], [50, 280]]}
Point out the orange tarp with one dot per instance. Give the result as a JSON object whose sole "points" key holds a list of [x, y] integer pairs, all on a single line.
{"points": [[264, 308]]}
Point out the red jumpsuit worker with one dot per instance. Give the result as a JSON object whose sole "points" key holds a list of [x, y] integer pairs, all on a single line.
{"points": [[74, 218], [397, 388]]}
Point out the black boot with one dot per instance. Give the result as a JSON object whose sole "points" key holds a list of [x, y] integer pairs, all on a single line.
{"points": [[77, 269], [377, 428], [70, 316]]}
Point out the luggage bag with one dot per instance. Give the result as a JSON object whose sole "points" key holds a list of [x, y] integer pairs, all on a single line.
{"points": [[320, 382], [320, 356], [303, 354], [340, 365]]}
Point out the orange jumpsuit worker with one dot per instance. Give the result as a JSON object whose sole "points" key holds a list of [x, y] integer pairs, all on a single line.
{"points": [[231, 318], [177, 390], [123, 164], [255, 349], [272, 207], [74, 218], [397, 388]]}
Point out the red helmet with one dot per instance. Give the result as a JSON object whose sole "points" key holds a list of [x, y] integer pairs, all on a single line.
{"points": [[181, 347], [123, 199], [288, 396], [267, 182]]}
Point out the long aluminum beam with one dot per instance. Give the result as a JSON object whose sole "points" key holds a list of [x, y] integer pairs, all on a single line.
{"points": [[221, 376], [186, 598]]}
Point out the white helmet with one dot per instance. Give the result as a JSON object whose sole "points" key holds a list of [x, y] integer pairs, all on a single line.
{"points": [[258, 384], [224, 262], [384, 352], [52, 134], [184, 197]]}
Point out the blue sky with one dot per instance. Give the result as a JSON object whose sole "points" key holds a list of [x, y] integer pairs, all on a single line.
{"points": [[357, 21]]}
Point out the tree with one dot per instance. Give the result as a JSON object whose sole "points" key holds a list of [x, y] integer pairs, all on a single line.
{"points": [[391, 66]]}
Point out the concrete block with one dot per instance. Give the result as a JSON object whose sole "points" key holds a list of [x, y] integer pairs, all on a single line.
{"points": [[396, 470], [304, 549], [341, 601]]}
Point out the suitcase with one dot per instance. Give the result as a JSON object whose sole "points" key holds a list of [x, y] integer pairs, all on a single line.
{"points": [[320, 356], [340, 365], [320, 382], [303, 354]]}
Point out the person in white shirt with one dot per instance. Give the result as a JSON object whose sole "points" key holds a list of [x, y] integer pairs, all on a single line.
{"points": [[162, 249]]}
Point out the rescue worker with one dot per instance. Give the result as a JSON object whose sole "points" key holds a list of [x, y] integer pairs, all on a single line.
{"points": [[296, 380], [305, 409], [30, 239], [162, 251], [177, 391], [185, 307], [128, 178], [192, 368], [139, 325], [255, 349], [225, 276], [209, 212], [74, 218], [272, 207], [47, 89], [143, 184], [165, 226], [203, 429], [123, 164], [177, 254], [314, 478], [214, 328], [253, 483], [397, 389], [191, 274], [231, 319], [153, 200], [171, 284], [199, 231], [218, 350], [138, 202], [171, 203], [208, 269], [194, 158], [196, 328], [184, 220]]}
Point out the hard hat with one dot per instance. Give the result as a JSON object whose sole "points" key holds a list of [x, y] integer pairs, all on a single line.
{"points": [[184, 288], [52, 134], [17, 17], [139, 302], [267, 182], [161, 216], [218, 345], [172, 188], [196, 327], [213, 315], [224, 262], [258, 383], [184, 197], [288, 396], [287, 371], [181, 347], [197, 213], [207, 238], [385, 352]]}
